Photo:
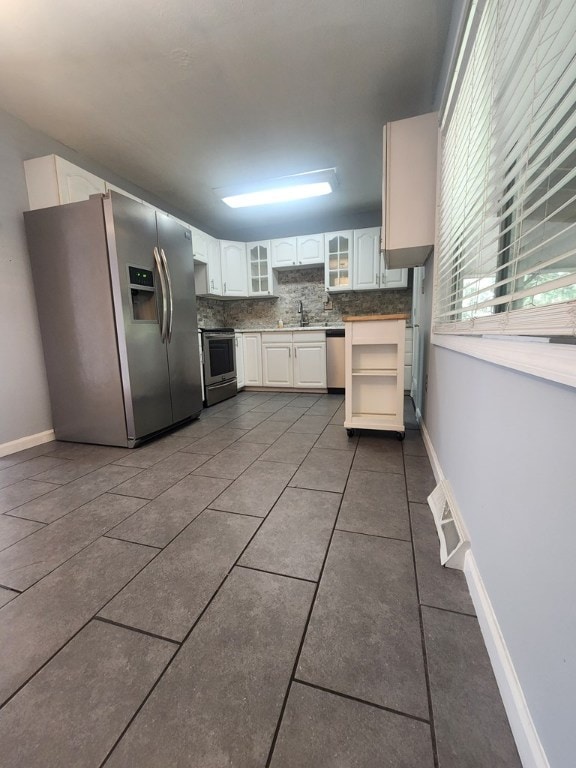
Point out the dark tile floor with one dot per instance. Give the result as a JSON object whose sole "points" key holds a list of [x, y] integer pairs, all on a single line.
{"points": [[255, 589]]}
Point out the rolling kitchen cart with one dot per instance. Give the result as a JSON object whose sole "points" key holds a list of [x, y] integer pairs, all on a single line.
{"points": [[375, 373]]}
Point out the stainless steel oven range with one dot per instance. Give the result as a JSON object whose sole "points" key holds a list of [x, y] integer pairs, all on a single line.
{"points": [[219, 359]]}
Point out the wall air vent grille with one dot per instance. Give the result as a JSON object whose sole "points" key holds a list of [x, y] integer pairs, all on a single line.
{"points": [[453, 543]]}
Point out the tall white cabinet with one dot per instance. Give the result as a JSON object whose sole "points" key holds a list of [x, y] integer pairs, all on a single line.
{"points": [[239, 354], [375, 373], [252, 359]]}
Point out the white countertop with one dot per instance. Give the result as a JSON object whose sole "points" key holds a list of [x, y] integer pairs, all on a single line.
{"points": [[290, 328]]}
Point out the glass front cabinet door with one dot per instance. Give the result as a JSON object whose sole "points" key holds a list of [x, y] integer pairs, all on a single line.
{"points": [[259, 269], [338, 265]]}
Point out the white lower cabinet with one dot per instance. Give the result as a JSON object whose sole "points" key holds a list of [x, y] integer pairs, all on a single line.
{"points": [[277, 369], [239, 351], [252, 359], [294, 359], [310, 364]]}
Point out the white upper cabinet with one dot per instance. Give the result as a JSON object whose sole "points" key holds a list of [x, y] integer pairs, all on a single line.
{"points": [[284, 253], [53, 181], [214, 267], [367, 269], [338, 261], [393, 278], [370, 272], [200, 245], [208, 275], [301, 251], [310, 250], [234, 272], [409, 189], [260, 282]]}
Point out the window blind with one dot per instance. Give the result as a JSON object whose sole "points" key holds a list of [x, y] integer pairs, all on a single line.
{"points": [[506, 246]]}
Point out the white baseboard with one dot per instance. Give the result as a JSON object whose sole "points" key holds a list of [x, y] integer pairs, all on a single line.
{"points": [[436, 468], [26, 442], [525, 735], [528, 743]]}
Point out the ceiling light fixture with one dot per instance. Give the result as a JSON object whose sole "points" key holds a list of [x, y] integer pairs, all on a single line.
{"points": [[297, 187]]}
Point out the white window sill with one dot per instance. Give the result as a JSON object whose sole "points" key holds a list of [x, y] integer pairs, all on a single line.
{"points": [[554, 362]]}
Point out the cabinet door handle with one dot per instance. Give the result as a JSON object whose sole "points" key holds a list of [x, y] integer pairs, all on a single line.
{"points": [[289, 352], [377, 279], [295, 351], [212, 284], [224, 287]]}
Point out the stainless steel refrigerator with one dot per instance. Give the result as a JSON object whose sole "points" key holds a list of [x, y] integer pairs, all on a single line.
{"points": [[114, 283]]}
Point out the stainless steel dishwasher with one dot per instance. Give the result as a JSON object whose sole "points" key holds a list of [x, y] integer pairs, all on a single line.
{"points": [[335, 377]]}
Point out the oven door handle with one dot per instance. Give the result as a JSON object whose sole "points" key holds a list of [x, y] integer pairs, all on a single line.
{"points": [[223, 384]]}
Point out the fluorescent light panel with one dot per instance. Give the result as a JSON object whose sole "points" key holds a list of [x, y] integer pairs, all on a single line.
{"points": [[297, 187], [278, 195]]}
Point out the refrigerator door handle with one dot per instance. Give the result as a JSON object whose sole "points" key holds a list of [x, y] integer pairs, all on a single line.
{"points": [[170, 294], [164, 323]]}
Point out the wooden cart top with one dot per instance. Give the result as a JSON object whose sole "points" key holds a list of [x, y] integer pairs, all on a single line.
{"points": [[362, 318]]}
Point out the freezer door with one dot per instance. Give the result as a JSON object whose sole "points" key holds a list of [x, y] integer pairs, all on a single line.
{"points": [[140, 301], [175, 246]]}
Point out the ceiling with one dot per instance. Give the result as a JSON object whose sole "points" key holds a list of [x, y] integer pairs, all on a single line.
{"points": [[184, 96]]}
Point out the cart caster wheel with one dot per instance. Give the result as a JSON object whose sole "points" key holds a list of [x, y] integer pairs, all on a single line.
{"points": [[400, 435], [350, 432]]}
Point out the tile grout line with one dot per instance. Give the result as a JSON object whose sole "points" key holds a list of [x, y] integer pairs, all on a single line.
{"points": [[106, 535], [93, 616], [12, 589], [307, 623], [2, 549], [231, 512], [422, 639], [275, 573], [362, 701], [29, 519], [55, 568], [194, 625], [449, 610], [374, 535], [104, 620], [31, 480]]}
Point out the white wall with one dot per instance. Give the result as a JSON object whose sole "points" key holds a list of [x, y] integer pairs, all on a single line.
{"points": [[506, 442], [24, 404]]}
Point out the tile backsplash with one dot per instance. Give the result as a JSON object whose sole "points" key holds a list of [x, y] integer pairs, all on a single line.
{"points": [[306, 285], [210, 312]]}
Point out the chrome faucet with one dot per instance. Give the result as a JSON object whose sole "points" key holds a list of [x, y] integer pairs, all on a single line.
{"points": [[302, 314]]}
